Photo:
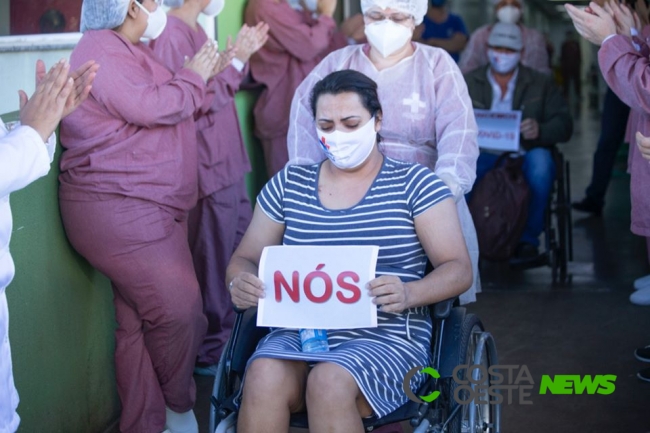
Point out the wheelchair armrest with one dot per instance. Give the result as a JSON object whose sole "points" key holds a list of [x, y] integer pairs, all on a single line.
{"points": [[245, 336], [442, 309]]}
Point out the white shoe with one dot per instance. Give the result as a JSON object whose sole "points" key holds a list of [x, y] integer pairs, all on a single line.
{"points": [[184, 422], [641, 297], [642, 283]]}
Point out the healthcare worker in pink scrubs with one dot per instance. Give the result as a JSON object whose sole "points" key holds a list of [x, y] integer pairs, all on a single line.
{"points": [[222, 214], [128, 181]]}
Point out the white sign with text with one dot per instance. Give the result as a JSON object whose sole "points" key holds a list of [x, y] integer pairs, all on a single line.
{"points": [[317, 287], [498, 130]]}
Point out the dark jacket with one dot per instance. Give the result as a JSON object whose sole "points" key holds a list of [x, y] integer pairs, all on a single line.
{"points": [[537, 95]]}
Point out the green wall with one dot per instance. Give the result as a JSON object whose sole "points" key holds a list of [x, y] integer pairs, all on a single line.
{"points": [[61, 322], [229, 23], [60, 308]]}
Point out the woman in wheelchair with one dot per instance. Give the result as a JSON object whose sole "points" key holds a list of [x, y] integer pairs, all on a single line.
{"points": [[356, 196]]}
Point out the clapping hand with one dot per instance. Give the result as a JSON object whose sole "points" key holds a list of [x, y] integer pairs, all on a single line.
{"points": [[250, 39], [83, 80], [625, 18], [205, 60], [225, 57], [44, 110], [593, 23]]}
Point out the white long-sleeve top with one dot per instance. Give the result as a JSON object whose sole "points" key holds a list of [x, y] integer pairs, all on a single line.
{"points": [[23, 159]]}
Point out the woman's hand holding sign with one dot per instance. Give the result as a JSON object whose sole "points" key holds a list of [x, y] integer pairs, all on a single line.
{"points": [[246, 290], [390, 293]]}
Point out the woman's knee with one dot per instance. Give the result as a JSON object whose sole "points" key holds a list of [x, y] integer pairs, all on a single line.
{"points": [[329, 384], [277, 379]]}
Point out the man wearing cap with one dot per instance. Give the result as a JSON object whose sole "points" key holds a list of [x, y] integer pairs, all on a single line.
{"points": [[506, 85], [506, 11]]}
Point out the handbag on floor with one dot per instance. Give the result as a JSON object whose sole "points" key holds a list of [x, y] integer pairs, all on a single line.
{"points": [[499, 208]]}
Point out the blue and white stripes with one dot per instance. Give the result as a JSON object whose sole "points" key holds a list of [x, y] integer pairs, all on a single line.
{"points": [[384, 217], [377, 358]]}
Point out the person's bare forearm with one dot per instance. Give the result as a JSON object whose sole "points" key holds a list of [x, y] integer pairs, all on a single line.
{"points": [[239, 265], [446, 281]]}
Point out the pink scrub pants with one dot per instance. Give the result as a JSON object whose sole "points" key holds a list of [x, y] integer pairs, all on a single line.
{"points": [[216, 226], [143, 249]]}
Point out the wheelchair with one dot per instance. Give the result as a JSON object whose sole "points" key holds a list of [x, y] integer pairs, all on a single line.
{"points": [[558, 231], [459, 338]]}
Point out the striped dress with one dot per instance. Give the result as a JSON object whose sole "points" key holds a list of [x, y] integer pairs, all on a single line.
{"points": [[377, 358]]}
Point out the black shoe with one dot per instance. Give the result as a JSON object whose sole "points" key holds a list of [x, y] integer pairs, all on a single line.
{"points": [[644, 374], [526, 251], [643, 354], [587, 205]]}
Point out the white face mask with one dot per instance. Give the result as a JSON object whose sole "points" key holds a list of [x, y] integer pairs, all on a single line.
{"points": [[503, 62], [214, 8], [349, 149], [387, 37], [156, 22], [509, 14]]}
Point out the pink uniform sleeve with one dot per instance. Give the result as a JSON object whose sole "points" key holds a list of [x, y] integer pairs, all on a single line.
{"points": [[222, 88], [171, 49], [475, 54], [128, 92], [289, 32], [626, 72], [302, 141]]}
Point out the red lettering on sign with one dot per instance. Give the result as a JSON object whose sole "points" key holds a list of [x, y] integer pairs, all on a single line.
{"points": [[356, 292], [279, 282]]}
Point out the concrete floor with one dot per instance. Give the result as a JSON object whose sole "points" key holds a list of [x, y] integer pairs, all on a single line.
{"points": [[587, 328]]}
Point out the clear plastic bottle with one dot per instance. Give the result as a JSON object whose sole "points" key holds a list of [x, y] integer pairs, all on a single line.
{"points": [[314, 340]]}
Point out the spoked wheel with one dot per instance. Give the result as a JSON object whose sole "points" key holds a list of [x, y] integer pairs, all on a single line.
{"points": [[478, 346]]}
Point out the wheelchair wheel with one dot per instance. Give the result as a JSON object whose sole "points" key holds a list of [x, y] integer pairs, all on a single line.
{"points": [[474, 417]]}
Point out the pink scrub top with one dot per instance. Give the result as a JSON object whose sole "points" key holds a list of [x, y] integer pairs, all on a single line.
{"points": [[297, 43], [627, 72], [223, 160], [135, 135]]}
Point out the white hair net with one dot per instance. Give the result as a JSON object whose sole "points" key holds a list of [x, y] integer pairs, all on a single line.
{"points": [[417, 8], [103, 14]]}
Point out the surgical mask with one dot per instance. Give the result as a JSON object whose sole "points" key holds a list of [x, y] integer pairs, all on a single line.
{"points": [[156, 22], [509, 14], [387, 37], [214, 8], [349, 150], [503, 62]]}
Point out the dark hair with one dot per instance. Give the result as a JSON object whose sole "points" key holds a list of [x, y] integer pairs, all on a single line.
{"points": [[346, 81], [52, 21]]}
